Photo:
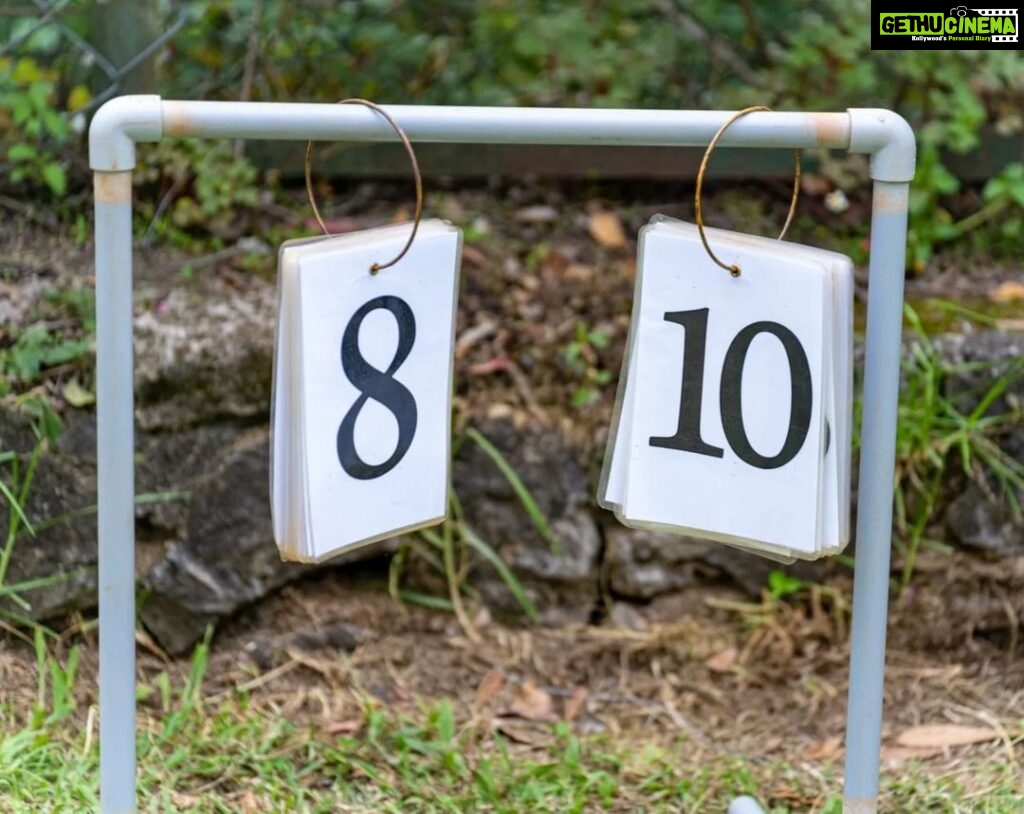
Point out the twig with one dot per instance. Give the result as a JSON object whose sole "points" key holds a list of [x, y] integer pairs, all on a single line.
{"points": [[755, 30], [161, 208], [249, 70], [26, 210]]}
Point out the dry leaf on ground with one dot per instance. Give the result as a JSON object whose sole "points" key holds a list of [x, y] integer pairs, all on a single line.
{"points": [[828, 749], [1010, 291], [723, 661], [939, 736], [349, 727], [575, 703], [894, 757], [533, 704], [490, 685], [606, 229]]}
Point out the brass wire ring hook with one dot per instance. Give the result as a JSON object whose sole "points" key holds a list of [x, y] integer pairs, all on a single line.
{"points": [[415, 171], [733, 269]]}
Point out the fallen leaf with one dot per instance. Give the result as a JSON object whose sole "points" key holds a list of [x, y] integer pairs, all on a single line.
{"points": [[524, 732], [579, 273], [828, 749], [940, 736], [490, 685], [473, 256], [575, 703], [606, 229], [1010, 324], [76, 395], [147, 642], [723, 661], [814, 185], [349, 727], [533, 704], [495, 365], [554, 263], [1010, 291]]}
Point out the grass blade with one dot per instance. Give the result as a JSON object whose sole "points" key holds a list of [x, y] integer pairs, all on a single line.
{"points": [[510, 579], [540, 522]]}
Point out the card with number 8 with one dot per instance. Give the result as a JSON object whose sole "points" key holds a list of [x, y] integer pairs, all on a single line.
{"points": [[361, 416]]}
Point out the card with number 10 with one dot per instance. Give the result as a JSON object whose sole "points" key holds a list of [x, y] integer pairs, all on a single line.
{"points": [[733, 419]]}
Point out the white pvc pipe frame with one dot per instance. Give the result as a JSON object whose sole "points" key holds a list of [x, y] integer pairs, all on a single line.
{"points": [[122, 122]]}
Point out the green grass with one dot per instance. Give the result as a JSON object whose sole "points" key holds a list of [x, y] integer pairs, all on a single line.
{"points": [[238, 755]]}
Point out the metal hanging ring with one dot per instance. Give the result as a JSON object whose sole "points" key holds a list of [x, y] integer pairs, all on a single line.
{"points": [[415, 171], [733, 269]]}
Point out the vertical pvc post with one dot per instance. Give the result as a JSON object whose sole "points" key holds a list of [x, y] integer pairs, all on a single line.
{"points": [[116, 489], [745, 805], [875, 495]]}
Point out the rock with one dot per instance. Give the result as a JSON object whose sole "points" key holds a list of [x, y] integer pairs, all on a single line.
{"points": [[227, 556], [641, 564], [750, 571], [978, 521], [204, 354], [626, 616], [563, 583], [270, 652]]}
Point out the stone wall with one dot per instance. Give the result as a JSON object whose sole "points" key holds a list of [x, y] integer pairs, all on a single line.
{"points": [[202, 381]]}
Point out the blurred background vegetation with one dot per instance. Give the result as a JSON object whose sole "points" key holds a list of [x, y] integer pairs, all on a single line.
{"points": [[60, 58]]}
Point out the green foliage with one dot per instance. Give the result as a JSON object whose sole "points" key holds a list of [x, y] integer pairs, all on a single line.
{"points": [[203, 183], [781, 584], [489, 52], [582, 360], [35, 130], [532, 52], [938, 433], [61, 335], [35, 349], [948, 96]]}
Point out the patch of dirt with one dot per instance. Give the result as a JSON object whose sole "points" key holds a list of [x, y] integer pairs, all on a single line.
{"points": [[767, 681]]}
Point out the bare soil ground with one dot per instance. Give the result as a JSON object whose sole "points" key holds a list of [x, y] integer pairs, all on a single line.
{"points": [[765, 682]]}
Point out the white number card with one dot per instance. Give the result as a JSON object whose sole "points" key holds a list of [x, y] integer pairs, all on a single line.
{"points": [[733, 417], [361, 416]]}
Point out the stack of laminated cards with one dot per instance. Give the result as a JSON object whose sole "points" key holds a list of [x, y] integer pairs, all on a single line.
{"points": [[361, 415], [733, 419]]}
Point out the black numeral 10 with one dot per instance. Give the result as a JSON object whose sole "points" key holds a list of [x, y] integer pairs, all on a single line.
{"points": [[687, 437]]}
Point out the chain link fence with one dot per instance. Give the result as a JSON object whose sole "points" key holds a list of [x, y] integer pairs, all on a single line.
{"points": [[39, 29]]}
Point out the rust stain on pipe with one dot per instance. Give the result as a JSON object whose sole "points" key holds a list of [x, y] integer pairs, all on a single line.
{"points": [[890, 199], [831, 129], [175, 119], [112, 187]]}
